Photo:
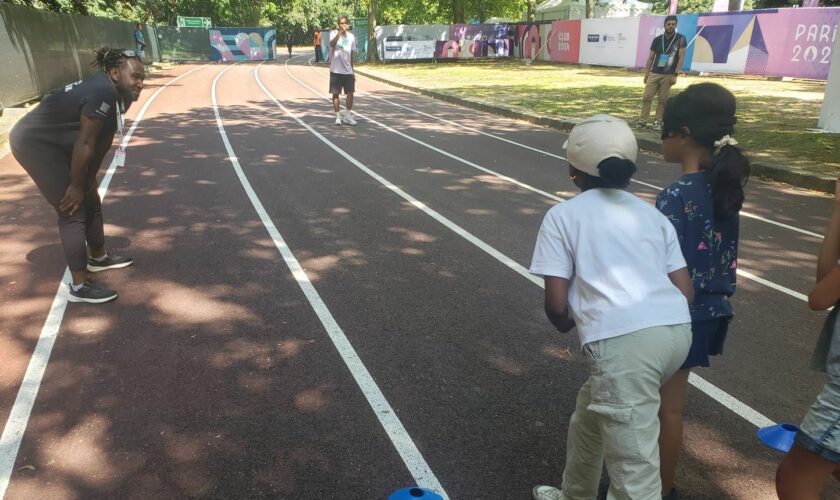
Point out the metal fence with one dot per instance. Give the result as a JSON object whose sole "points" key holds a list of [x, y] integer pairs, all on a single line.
{"points": [[41, 51]]}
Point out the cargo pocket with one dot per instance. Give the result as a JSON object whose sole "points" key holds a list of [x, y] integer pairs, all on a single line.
{"points": [[621, 440]]}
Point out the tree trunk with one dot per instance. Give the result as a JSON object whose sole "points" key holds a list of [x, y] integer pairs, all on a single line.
{"points": [[457, 11], [372, 52], [734, 5], [590, 9]]}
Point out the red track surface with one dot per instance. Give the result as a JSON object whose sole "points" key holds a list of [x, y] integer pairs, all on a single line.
{"points": [[213, 376]]}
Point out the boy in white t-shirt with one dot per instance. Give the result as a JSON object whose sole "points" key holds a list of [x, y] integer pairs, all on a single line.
{"points": [[613, 267], [342, 46]]}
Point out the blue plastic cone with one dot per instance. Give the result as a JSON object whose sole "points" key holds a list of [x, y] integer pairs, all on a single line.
{"points": [[414, 493], [779, 436]]}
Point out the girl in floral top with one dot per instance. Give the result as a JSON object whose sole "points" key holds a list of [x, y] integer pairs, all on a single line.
{"points": [[703, 206]]}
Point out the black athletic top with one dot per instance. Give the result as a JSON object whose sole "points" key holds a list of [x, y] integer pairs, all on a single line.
{"points": [[665, 53], [56, 121]]}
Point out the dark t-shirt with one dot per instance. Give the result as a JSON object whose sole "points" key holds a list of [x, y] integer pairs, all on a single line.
{"points": [[665, 53], [56, 122]]}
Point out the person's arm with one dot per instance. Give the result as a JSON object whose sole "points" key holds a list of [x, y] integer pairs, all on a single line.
{"points": [[84, 150], [678, 64], [557, 303], [338, 34], [672, 207], [826, 293], [649, 64], [682, 280], [830, 250], [102, 148]]}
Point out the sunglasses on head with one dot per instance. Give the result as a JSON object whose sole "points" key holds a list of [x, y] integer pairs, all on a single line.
{"points": [[125, 53]]}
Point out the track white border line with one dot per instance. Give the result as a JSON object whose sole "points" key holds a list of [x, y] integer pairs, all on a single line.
{"points": [[21, 409], [546, 153], [727, 400], [739, 272], [388, 418]]}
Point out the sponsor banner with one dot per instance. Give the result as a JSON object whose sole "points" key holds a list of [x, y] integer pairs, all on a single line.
{"points": [[651, 27], [723, 44], [530, 40], [609, 41], [409, 50], [788, 42], [563, 41], [242, 44], [795, 42], [479, 32]]}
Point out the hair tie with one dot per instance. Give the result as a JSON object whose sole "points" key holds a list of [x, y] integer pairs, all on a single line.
{"points": [[726, 140]]}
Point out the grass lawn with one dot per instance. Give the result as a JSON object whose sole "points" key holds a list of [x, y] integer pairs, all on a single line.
{"points": [[773, 116]]}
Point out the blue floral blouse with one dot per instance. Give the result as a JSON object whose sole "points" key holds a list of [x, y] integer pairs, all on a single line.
{"points": [[710, 247]]}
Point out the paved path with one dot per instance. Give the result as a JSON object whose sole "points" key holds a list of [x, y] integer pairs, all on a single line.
{"points": [[337, 312]]}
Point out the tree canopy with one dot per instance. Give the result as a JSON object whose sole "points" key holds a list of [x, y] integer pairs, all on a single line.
{"points": [[302, 16]]}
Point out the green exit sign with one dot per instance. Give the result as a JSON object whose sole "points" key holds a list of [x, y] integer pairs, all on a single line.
{"points": [[194, 22]]}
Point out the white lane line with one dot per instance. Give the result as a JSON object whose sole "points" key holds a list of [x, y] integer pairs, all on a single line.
{"points": [[25, 400], [546, 153], [433, 148], [745, 274], [700, 383], [388, 418], [727, 400]]}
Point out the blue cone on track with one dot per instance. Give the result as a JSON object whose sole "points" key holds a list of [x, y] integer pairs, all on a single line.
{"points": [[779, 436], [414, 493]]}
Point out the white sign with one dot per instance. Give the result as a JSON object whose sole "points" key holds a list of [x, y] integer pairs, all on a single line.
{"points": [[421, 49], [609, 41]]}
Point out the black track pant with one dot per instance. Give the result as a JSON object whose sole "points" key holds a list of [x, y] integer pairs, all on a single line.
{"points": [[50, 169]]}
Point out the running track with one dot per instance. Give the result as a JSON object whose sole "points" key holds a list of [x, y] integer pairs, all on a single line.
{"points": [[338, 312]]}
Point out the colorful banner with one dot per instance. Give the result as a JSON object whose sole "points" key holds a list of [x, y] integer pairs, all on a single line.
{"points": [[242, 44], [801, 43], [609, 41], [651, 27], [723, 44], [563, 41]]}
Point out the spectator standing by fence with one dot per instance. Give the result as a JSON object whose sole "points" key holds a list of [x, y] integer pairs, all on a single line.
{"points": [[317, 41], [140, 42], [667, 54]]}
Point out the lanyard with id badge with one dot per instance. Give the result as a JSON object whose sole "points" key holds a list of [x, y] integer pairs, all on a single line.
{"points": [[119, 156], [665, 57]]}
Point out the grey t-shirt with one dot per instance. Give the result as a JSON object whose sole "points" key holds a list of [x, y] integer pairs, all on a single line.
{"points": [[342, 55], [56, 121]]}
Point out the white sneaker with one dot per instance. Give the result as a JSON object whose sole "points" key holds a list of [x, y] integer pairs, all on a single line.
{"points": [[348, 119], [338, 119], [547, 493]]}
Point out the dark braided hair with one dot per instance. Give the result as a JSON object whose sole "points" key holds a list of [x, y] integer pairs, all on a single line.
{"points": [[707, 110], [107, 58]]}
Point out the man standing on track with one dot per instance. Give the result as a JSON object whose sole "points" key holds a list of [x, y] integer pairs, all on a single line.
{"points": [[667, 55], [342, 46], [61, 145]]}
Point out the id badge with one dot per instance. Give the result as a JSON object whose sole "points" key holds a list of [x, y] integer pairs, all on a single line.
{"points": [[119, 157], [663, 61]]}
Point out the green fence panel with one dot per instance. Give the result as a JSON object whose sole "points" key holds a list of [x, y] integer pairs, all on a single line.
{"points": [[183, 44], [42, 51]]}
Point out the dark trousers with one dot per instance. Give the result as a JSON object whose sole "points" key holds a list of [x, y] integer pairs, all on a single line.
{"points": [[318, 57], [50, 170]]}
